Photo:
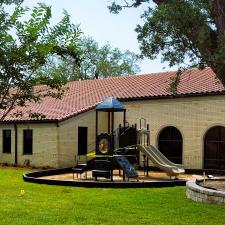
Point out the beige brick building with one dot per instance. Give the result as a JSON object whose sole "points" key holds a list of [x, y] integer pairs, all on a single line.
{"points": [[188, 127]]}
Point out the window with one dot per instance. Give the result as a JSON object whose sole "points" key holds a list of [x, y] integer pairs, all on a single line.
{"points": [[82, 140], [6, 136], [27, 142]]}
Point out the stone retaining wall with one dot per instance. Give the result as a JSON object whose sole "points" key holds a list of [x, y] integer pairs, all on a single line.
{"points": [[201, 194]]}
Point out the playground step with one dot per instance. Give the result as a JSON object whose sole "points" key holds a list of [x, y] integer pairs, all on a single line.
{"points": [[79, 168]]}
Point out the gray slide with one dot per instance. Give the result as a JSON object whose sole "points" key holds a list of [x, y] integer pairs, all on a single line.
{"points": [[160, 161]]}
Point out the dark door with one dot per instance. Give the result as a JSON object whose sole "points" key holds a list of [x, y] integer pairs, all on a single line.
{"points": [[82, 140], [214, 148], [170, 144]]}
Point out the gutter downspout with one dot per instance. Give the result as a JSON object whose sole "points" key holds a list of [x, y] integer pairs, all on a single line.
{"points": [[16, 144], [58, 144]]}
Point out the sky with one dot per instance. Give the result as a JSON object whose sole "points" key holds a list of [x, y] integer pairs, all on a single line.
{"points": [[96, 21]]}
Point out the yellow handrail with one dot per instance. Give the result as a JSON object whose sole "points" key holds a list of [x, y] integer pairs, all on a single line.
{"points": [[92, 153]]}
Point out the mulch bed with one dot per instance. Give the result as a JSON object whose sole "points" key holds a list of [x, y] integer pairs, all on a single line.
{"points": [[215, 185]]}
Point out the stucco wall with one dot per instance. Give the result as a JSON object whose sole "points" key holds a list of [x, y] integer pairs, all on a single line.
{"points": [[57, 146], [68, 136], [45, 149], [44, 145], [192, 116]]}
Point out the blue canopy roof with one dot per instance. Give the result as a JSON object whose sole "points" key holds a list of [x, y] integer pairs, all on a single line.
{"points": [[110, 104]]}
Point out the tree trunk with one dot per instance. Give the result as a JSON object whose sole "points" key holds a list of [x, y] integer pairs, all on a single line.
{"points": [[218, 14], [218, 11], [218, 7], [96, 74]]}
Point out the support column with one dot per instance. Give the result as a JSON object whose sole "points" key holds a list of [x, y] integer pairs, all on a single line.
{"points": [[112, 145], [96, 130]]}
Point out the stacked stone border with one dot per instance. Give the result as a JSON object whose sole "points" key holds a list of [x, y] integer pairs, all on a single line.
{"points": [[198, 193]]}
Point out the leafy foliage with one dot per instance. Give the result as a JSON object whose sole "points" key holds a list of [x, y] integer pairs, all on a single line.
{"points": [[95, 62], [25, 46], [116, 8], [183, 31]]}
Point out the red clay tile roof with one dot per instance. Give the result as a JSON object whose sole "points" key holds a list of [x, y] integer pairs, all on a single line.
{"points": [[85, 95]]}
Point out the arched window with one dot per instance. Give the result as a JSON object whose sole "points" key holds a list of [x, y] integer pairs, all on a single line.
{"points": [[214, 148], [170, 144]]}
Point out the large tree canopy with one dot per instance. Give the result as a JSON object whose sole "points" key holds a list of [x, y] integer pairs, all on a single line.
{"points": [[95, 62], [182, 31], [26, 42]]}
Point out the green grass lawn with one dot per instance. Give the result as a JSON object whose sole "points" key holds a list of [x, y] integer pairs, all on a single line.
{"points": [[43, 204]]}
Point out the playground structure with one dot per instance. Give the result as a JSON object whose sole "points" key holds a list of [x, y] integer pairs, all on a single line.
{"points": [[121, 149]]}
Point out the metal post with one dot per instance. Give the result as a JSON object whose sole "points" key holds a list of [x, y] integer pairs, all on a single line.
{"points": [[124, 120], [112, 144], [96, 131], [147, 166], [112, 136], [148, 135], [108, 122], [144, 164], [16, 144], [148, 143]]}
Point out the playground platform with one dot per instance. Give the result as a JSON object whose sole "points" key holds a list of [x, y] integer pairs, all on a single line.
{"points": [[66, 177]]}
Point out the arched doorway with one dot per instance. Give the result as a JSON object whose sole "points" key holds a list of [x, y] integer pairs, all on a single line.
{"points": [[214, 148], [170, 144]]}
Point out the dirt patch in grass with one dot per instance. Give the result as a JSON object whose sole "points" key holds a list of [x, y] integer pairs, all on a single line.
{"points": [[16, 168]]}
